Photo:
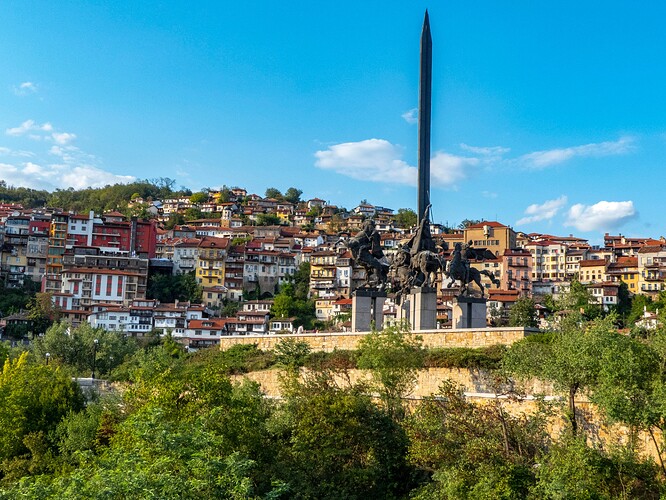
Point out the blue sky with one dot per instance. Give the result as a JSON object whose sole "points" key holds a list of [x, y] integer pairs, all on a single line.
{"points": [[546, 117]]}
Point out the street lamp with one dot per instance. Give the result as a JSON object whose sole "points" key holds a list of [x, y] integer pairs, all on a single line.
{"points": [[95, 342], [48, 356]]}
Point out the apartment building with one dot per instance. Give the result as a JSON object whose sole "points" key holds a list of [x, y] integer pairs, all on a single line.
{"points": [[651, 269], [491, 235], [517, 271], [625, 270]]}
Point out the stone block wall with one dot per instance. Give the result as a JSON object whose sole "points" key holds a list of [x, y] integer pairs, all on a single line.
{"points": [[328, 342], [479, 388]]}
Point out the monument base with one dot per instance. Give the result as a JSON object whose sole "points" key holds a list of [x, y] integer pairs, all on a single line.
{"points": [[469, 312], [367, 310], [419, 308]]}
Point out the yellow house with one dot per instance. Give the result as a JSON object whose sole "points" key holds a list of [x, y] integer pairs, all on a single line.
{"points": [[211, 256], [324, 308], [492, 235], [592, 271], [625, 270]]}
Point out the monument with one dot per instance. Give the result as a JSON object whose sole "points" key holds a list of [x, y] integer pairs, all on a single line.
{"points": [[415, 265], [412, 273]]}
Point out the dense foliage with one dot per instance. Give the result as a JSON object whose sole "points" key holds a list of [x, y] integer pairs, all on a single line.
{"points": [[169, 288], [179, 426]]}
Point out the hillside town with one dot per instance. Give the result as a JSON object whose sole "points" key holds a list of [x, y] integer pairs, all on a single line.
{"points": [[96, 267]]}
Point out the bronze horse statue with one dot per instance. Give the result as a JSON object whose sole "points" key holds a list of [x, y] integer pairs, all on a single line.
{"points": [[366, 251], [459, 269], [428, 264]]}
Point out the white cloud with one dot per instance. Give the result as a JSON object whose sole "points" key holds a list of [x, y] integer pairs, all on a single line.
{"points": [[489, 194], [25, 88], [11, 152], [29, 126], [83, 176], [52, 176], [604, 215], [447, 169], [545, 211], [63, 137], [543, 159], [411, 116], [73, 167], [485, 151], [368, 160], [380, 161]]}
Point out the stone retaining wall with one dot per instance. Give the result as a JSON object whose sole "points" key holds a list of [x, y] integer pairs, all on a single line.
{"points": [[427, 382], [436, 338], [479, 387]]}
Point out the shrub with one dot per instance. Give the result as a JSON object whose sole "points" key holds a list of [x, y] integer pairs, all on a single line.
{"points": [[488, 358]]}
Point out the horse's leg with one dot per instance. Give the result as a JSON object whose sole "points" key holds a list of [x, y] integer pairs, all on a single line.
{"points": [[477, 280]]}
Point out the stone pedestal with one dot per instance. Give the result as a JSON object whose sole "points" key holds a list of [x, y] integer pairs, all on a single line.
{"points": [[367, 308], [423, 311], [403, 313], [469, 312], [419, 309]]}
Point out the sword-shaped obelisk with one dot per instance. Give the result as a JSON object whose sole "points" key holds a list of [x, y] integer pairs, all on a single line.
{"points": [[425, 97]]}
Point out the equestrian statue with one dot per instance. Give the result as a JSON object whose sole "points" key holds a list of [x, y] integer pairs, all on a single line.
{"points": [[416, 263], [459, 268], [367, 252]]}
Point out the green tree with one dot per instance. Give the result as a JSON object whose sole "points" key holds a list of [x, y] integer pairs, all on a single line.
{"points": [[406, 218], [229, 309], [639, 304], [193, 213], [188, 434], [33, 400], [293, 195], [474, 451], [292, 354], [523, 313], [301, 281], [468, 222], [629, 388], [393, 356], [283, 304], [336, 443], [268, 220], [75, 348], [315, 211], [42, 312], [570, 361], [273, 193], [293, 301], [13, 300], [175, 219], [199, 198], [169, 288], [579, 298], [572, 469]]}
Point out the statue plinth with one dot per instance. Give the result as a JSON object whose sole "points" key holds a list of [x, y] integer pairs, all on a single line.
{"points": [[469, 312], [367, 310], [419, 308]]}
